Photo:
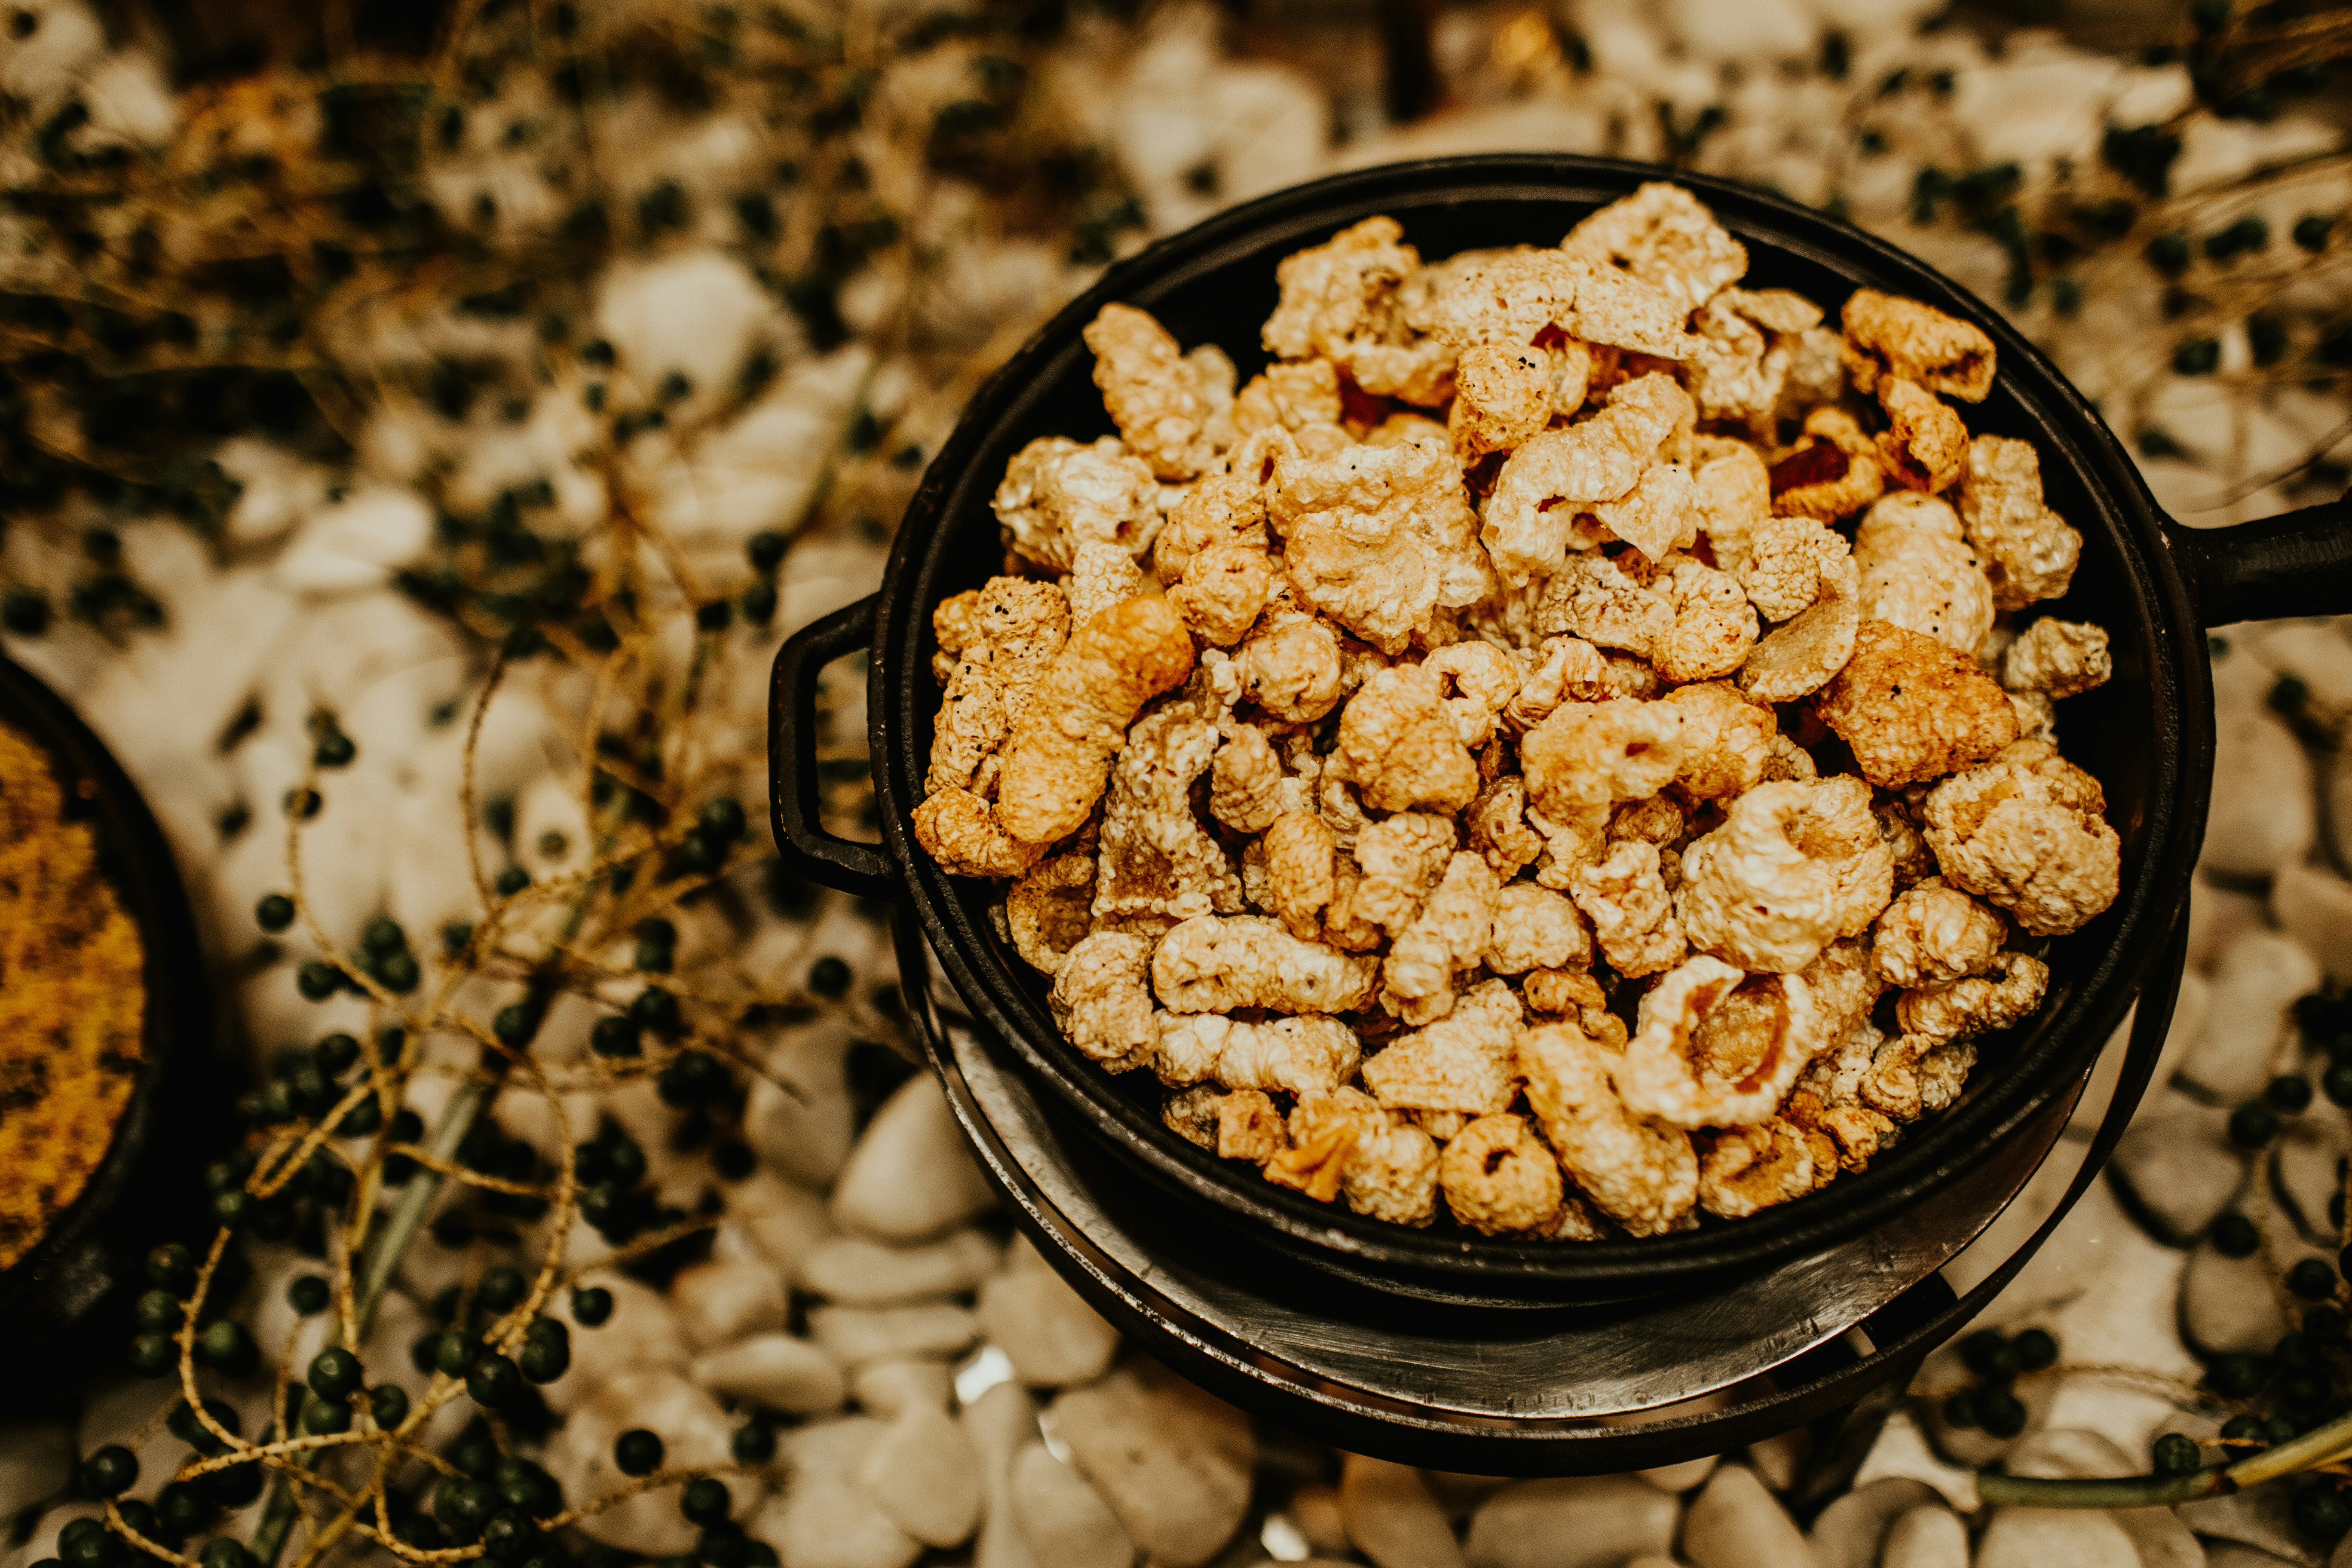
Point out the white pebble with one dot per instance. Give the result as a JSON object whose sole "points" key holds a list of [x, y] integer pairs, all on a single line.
{"points": [[36, 1462], [2257, 1517], [889, 1388], [1735, 1524], [1001, 1421], [642, 1335], [2217, 917], [2339, 806], [856, 1335], [1062, 1520], [923, 1472], [1680, 1477], [2228, 1304], [803, 1123], [2068, 1454], [1581, 1522], [2176, 1164], [775, 1371], [2305, 1164], [2041, 1537], [1851, 1531], [43, 1542], [1173, 1461], [784, 1219], [718, 1303], [2314, 652], [1780, 1459], [694, 1435], [2264, 812], [2313, 906], [357, 543], [1391, 1519], [2257, 980], [857, 1272], [1927, 1538], [910, 1177], [824, 1518], [1053, 1337]]}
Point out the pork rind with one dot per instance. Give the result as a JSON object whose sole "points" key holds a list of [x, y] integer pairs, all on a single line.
{"points": [[1919, 572], [1511, 297], [1296, 1056], [1661, 1075], [1343, 1143], [1794, 867], [1100, 1000], [1218, 964], [1561, 670], [1536, 928], [960, 831], [1300, 855], [1293, 669], [1887, 335], [1752, 1168], [1639, 1171], [1058, 495], [1912, 709], [1712, 626], [1547, 482], [2027, 550], [1499, 1179], [1739, 368], [1587, 758], [1663, 236], [1731, 491], [1499, 829], [1787, 561], [1161, 401], [1502, 395], [1932, 935], [1461, 1062], [1800, 657], [1379, 539], [1155, 858], [1050, 910], [1002, 638], [1248, 1126], [1924, 1069], [1624, 895], [1833, 472], [2057, 658], [1342, 301], [1060, 753], [2024, 833], [1402, 745], [1925, 446], [1444, 939], [1728, 740], [1292, 395]]}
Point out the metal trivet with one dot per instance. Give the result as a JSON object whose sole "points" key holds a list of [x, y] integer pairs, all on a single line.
{"points": [[1520, 1389]]}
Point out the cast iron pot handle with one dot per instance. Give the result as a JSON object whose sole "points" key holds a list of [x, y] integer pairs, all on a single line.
{"points": [[2299, 563], [800, 838]]}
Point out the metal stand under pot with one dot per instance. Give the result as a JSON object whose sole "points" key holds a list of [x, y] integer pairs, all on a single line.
{"points": [[1829, 1341]]}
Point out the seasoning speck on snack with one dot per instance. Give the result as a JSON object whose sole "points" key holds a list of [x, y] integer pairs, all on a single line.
{"points": [[72, 1002], [1510, 749]]}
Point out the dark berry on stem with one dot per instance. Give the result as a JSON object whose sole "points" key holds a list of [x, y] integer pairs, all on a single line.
{"points": [[494, 1381], [111, 1472], [502, 1287], [592, 1306], [2176, 1455], [2289, 1093], [2244, 1429], [705, 1501], [2320, 1511], [755, 1444], [2253, 1124], [2312, 1279], [153, 1355], [1986, 1354], [2237, 1376], [224, 1553], [829, 976], [637, 1453], [2234, 1236], [274, 913], [389, 1403], [614, 1037], [2001, 1413], [2034, 1349]]}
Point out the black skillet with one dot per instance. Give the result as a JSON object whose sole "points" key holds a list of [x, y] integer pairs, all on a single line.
{"points": [[2147, 734]]}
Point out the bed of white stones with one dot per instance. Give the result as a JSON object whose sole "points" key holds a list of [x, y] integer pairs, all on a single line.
{"points": [[961, 1405]]}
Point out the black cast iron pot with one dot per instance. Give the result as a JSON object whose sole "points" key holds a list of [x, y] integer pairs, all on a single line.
{"points": [[62, 1294], [2146, 735]]}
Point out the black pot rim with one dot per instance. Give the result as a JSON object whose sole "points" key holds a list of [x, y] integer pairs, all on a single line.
{"points": [[991, 978]]}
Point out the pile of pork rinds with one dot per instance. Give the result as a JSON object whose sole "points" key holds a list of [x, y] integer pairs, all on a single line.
{"points": [[1564, 737]]}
